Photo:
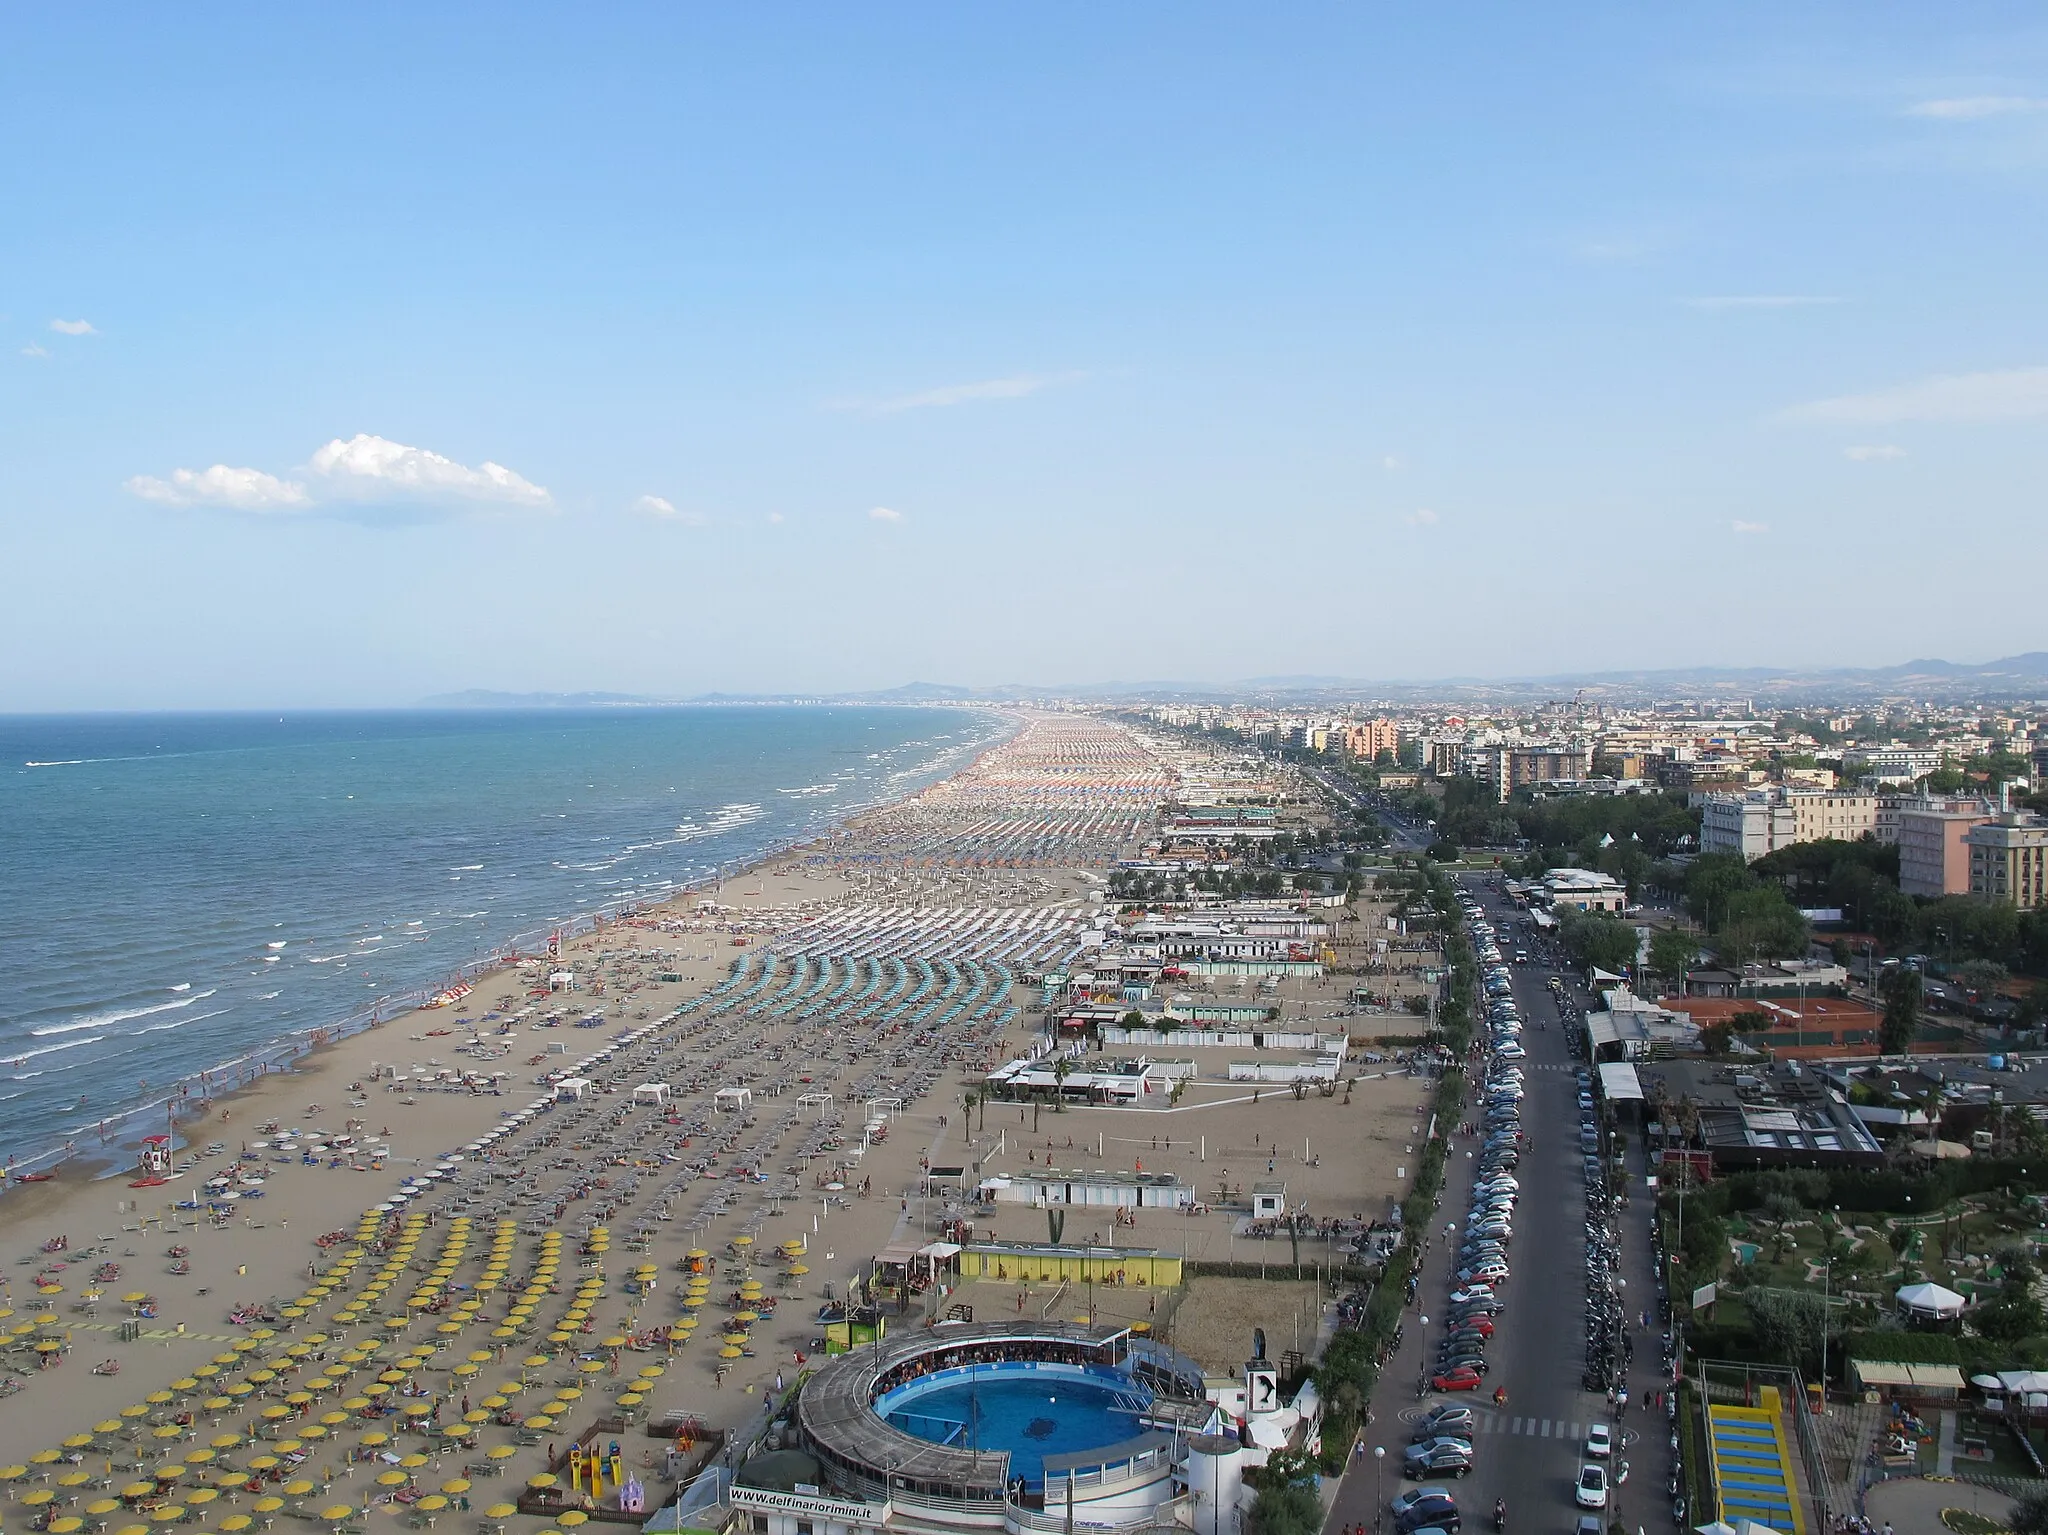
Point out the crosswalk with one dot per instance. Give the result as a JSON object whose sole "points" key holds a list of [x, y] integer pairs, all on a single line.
{"points": [[1534, 1428]]}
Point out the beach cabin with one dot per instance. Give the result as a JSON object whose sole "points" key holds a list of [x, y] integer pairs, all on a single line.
{"points": [[569, 1089], [655, 1094], [1269, 1201], [562, 980]]}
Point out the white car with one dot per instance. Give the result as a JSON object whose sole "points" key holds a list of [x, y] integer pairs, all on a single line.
{"points": [[1600, 1441], [1591, 1489]]}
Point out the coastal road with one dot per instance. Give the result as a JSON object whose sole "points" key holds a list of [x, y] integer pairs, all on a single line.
{"points": [[1527, 1453]]}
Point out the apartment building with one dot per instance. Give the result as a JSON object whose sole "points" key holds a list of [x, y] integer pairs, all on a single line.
{"points": [[1763, 820], [1749, 825], [2009, 859], [1821, 813], [1934, 857], [1548, 763], [1371, 738]]}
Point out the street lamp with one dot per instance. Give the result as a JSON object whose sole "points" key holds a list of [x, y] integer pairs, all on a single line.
{"points": [[1379, 1485]]}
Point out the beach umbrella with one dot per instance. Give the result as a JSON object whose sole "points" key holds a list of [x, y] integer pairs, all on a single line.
{"points": [[166, 1431], [591, 1366], [651, 1372], [107, 1426], [334, 1419], [217, 1403], [432, 1503], [263, 1463], [262, 1377], [375, 1438], [336, 1513], [74, 1479], [616, 1340], [545, 1479], [631, 1399], [314, 1431], [225, 1441], [392, 1479], [476, 1415], [138, 1489], [99, 1508], [201, 1495], [502, 1451], [69, 1524], [418, 1409], [493, 1402], [729, 1352], [299, 1398], [185, 1383], [572, 1517], [170, 1513], [133, 1529], [540, 1422], [198, 1457], [234, 1524], [268, 1505], [501, 1511], [299, 1487], [455, 1486], [412, 1462], [78, 1442]]}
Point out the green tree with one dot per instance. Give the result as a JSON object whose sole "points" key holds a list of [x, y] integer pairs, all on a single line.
{"points": [[1901, 991], [1672, 953], [1292, 1508], [2014, 1315], [1710, 880], [1599, 941], [1789, 1325], [1760, 924]]}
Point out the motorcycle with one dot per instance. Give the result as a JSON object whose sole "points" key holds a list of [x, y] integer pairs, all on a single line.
{"points": [[1500, 1515]]}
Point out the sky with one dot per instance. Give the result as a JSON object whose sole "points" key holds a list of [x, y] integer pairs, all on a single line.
{"points": [[356, 354]]}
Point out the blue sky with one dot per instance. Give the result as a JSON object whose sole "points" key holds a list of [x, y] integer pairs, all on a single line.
{"points": [[360, 354]]}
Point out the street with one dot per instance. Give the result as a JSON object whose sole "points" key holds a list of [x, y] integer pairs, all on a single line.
{"points": [[1528, 1452]]}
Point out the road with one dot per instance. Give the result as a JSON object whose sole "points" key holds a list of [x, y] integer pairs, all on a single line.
{"points": [[1529, 1452]]}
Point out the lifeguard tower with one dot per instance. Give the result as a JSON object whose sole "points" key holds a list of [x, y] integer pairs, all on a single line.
{"points": [[155, 1164]]}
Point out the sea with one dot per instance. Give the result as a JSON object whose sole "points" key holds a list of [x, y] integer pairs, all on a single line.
{"points": [[180, 891]]}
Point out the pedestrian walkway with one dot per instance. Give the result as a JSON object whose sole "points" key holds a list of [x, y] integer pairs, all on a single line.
{"points": [[1535, 1428]]}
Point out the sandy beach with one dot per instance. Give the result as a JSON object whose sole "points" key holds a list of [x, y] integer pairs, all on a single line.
{"points": [[814, 1025]]}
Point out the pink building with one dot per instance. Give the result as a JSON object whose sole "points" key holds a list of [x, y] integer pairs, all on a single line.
{"points": [[1934, 860]]}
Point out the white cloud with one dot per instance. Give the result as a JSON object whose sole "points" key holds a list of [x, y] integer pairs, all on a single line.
{"points": [[1972, 108], [1014, 388], [375, 468], [1865, 453], [1422, 517], [73, 327], [1742, 527], [1392, 462], [2014, 394], [775, 516], [667, 511], [884, 514], [1759, 301], [247, 490], [35, 349]]}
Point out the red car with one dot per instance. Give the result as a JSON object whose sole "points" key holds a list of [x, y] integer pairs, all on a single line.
{"points": [[1464, 1378], [1481, 1324]]}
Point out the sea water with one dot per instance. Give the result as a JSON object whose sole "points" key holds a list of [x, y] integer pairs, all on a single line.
{"points": [[179, 890]]}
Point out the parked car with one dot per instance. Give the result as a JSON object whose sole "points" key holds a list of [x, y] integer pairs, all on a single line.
{"points": [[1591, 1491], [1461, 1379], [1600, 1441]]}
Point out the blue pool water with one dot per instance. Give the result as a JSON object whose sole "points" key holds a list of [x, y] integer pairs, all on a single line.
{"points": [[1030, 1414]]}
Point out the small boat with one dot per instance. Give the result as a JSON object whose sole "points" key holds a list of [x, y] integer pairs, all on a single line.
{"points": [[34, 1177]]}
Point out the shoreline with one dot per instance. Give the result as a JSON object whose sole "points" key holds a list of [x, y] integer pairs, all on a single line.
{"points": [[291, 1054]]}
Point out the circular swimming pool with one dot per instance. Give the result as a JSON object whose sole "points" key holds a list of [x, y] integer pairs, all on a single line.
{"points": [[1030, 1410]]}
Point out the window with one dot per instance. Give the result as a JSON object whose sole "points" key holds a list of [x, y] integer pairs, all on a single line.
{"points": [[760, 1525], [803, 1527]]}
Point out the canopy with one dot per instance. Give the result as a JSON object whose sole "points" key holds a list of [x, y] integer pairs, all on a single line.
{"points": [[1929, 1300]]}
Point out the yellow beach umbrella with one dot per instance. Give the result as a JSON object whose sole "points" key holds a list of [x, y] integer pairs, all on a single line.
{"points": [[412, 1462], [729, 1352], [502, 1451], [432, 1503], [234, 1524], [572, 1517], [299, 1487], [78, 1442], [545, 1479], [69, 1524], [501, 1511], [99, 1508], [455, 1486], [375, 1438], [201, 1495], [268, 1505], [392, 1479], [74, 1479]]}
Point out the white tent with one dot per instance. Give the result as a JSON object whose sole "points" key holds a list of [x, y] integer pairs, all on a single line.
{"points": [[1929, 1301], [1734, 1527], [733, 1098], [572, 1087], [655, 1093]]}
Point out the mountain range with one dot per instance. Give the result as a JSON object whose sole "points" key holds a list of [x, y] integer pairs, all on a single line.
{"points": [[2021, 676]]}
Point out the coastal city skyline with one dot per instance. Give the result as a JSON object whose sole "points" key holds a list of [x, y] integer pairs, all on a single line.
{"points": [[678, 352]]}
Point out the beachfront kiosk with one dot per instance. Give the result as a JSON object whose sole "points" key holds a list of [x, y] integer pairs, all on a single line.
{"points": [[1017, 1426], [155, 1162]]}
